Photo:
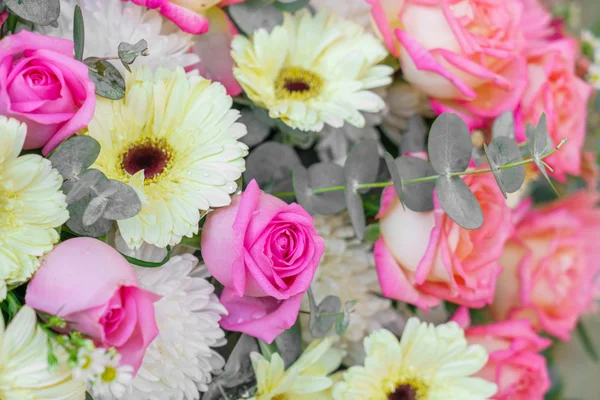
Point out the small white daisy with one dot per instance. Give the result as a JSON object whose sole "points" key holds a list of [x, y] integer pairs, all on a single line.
{"points": [[90, 364], [114, 379]]}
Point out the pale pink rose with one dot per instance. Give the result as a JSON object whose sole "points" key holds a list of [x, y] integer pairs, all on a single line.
{"points": [[467, 55], [91, 286], [423, 258], [537, 24], [550, 265], [265, 253], [189, 15], [555, 89], [42, 85], [514, 363]]}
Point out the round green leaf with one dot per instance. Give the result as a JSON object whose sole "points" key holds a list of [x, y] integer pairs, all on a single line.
{"points": [[271, 164], [302, 188], [81, 187], [74, 155], [413, 140], [258, 129], [459, 202], [449, 144], [249, 18], [396, 179], [322, 175], [504, 150], [504, 126], [416, 196], [362, 164], [356, 211], [40, 12], [107, 79]]}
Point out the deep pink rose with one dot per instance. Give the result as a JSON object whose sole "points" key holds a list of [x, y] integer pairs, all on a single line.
{"points": [[514, 363], [95, 290], [265, 252], [467, 55], [551, 265], [42, 85], [423, 258]]}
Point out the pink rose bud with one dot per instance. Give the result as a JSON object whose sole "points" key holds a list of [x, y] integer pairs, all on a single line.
{"points": [[551, 265], [265, 252], [91, 286], [514, 363], [42, 85], [423, 258]]}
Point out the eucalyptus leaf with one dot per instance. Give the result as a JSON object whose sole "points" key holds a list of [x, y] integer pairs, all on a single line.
{"points": [[356, 211], [40, 12], [83, 185], [249, 18], [74, 155], [107, 79], [123, 201], [586, 341], [417, 197], [539, 143], [449, 144], [258, 129], [304, 195], [459, 202], [75, 222], [503, 150], [504, 126], [396, 179], [413, 140], [271, 164], [129, 52], [78, 33], [291, 6], [362, 164], [342, 322], [321, 323], [94, 210], [289, 344], [322, 175]]}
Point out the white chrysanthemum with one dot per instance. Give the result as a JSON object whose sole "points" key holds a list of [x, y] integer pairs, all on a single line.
{"points": [[31, 206], [178, 364], [347, 270], [429, 362], [358, 11], [312, 71], [110, 22], [173, 139], [24, 370]]}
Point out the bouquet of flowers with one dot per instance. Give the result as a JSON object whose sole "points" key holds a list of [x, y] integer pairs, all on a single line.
{"points": [[293, 199]]}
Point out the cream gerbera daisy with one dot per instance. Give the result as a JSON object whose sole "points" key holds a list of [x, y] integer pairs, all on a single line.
{"points": [[306, 379], [31, 206], [24, 370], [312, 70], [428, 363], [173, 139]]}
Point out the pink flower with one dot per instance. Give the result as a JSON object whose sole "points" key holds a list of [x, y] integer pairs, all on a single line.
{"points": [[265, 252], [422, 258], [189, 15], [467, 55], [95, 290], [551, 265], [514, 363], [537, 24], [42, 85], [555, 89]]}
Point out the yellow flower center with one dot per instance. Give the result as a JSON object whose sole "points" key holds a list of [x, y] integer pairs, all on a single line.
{"points": [[280, 397], [152, 155], [295, 83], [87, 361], [408, 389], [9, 207], [109, 374]]}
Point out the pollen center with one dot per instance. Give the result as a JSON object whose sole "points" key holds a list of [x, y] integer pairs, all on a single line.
{"points": [[408, 389], [297, 83], [151, 155]]}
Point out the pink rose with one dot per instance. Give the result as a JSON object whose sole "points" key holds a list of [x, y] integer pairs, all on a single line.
{"points": [[551, 265], [42, 85], [514, 363], [537, 24], [467, 55], [555, 89], [265, 253], [422, 258], [189, 15], [95, 290]]}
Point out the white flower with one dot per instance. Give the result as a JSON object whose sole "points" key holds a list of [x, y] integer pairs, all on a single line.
{"points": [[178, 364], [114, 380], [358, 11], [31, 206], [90, 363], [347, 270], [110, 22], [24, 370], [174, 140]]}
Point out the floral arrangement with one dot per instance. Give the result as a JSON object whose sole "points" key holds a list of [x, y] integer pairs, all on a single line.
{"points": [[293, 199]]}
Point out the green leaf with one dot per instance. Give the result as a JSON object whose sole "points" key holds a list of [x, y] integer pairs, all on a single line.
{"points": [[74, 155], [343, 320], [249, 18], [320, 324], [417, 197], [40, 12], [107, 79], [372, 232], [291, 6], [271, 164], [148, 264], [449, 144], [322, 175], [395, 175], [88, 396], [81, 187], [459, 202], [289, 343], [502, 151], [539, 143], [504, 126], [129, 52], [78, 33], [586, 341], [266, 349], [194, 242]]}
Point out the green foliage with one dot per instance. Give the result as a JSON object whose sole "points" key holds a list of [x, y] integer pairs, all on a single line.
{"points": [[586, 341], [40, 12], [129, 52], [107, 79], [78, 33]]}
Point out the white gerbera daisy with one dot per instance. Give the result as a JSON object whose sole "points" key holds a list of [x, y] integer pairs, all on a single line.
{"points": [[110, 22], [179, 363], [24, 370], [428, 363], [312, 70], [31, 206], [173, 139]]}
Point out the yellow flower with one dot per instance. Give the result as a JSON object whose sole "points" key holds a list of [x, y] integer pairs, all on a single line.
{"points": [[24, 370], [31, 206], [428, 363], [173, 139], [312, 70], [306, 379]]}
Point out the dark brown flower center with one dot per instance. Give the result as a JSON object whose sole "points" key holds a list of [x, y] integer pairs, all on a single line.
{"points": [[152, 156], [296, 86], [295, 83], [403, 392]]}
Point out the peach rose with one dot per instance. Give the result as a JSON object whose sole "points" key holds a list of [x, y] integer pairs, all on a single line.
{"points": [[422, 258], [467, 55], [551, 265]]}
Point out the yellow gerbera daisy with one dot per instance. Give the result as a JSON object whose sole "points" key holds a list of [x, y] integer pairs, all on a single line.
{"points": [[24, 370], [306, 379], [312, 70], [173, 139], [428, 363], [31, 206]]}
